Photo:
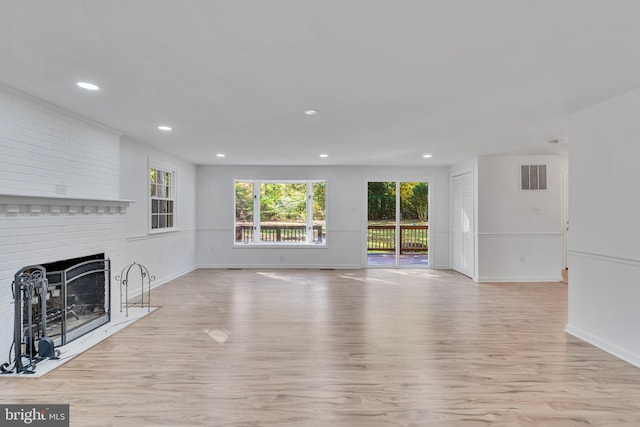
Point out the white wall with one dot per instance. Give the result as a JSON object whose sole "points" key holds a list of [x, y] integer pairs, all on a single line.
{"points": [[346, 215], [603, 250], [519, 233], [167, 255], [59, 185]]}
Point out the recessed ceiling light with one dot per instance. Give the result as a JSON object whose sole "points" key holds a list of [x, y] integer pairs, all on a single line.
{"points": [[87, 85], [165, 128], [324, 155], [220, 155], [311, 112], [427, 156]]}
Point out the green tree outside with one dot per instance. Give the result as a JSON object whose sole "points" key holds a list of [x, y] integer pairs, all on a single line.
{"points": [[414, 201], [280, 201]]}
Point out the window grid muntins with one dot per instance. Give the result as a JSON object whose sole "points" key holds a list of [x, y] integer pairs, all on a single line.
{"points": [[162, 199]]}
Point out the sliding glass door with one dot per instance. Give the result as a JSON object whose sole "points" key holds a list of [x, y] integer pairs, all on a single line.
{"points": [[398, 223]]}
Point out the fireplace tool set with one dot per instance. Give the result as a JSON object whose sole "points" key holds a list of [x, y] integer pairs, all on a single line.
{"points": [[30, 283]]}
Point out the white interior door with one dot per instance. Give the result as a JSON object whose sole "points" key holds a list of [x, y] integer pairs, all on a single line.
{"points": [[462, 248], [467, 224]]}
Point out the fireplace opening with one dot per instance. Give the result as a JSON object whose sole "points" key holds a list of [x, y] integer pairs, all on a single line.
{"points": [[78, 298]]}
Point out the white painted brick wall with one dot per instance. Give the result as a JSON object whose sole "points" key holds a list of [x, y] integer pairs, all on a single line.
{"points": [[27, 239], [42, 147]]}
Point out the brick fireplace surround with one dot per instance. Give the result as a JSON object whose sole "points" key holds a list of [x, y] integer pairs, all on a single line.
{"points": [[59, 193]]}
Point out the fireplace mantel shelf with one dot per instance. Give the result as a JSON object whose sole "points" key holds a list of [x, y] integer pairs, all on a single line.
{"points": [[17, 203]]}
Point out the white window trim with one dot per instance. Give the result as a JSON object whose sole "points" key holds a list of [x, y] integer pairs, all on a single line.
{"points": [[256, 214], [174, 171]]}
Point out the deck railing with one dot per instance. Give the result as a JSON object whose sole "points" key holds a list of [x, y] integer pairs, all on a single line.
{"points": [[413, 238], [279, 233]]}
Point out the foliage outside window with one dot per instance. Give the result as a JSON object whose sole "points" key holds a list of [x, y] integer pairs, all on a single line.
{"points": [[280, 212], [162, 198], [414, 201]]}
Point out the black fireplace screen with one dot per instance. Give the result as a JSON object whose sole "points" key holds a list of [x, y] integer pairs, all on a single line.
{"points": [[78, 298]]}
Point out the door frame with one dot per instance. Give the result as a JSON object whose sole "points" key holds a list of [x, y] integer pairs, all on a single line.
{"points": [[365, 261], [565, 217]]}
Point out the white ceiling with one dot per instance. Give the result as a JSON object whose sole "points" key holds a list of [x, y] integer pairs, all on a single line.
{"points": [[392, 80]]}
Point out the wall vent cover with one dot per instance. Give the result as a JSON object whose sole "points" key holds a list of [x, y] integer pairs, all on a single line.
{"points": [[533, 177]]}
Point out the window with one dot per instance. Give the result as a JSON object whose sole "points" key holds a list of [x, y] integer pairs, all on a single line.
{"points": [[280, 212], [162, 184]]}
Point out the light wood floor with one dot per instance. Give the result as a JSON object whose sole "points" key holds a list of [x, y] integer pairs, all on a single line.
{"points": [[343, 348]]}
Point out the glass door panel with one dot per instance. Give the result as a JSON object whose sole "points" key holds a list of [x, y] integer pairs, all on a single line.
{"points": [[414, 223], [381, 224]]}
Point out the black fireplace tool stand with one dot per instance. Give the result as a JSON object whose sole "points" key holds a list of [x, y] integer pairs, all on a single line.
{"points": [[29, 283]]}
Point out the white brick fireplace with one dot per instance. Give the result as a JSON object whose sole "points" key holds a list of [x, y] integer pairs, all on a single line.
{"points": [[59, 193]]}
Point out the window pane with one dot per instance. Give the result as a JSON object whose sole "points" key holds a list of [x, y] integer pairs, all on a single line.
{"points": [[167, 181], [414, 203], [319, 198], [152, 181], [283, 212], [244, 212], [162, 207]]}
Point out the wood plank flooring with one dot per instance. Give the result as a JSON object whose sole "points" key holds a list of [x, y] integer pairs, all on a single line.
{"points": [[343, 348]]}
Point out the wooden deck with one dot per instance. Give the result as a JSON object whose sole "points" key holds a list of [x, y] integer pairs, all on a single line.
{"points": [[370, 348]]}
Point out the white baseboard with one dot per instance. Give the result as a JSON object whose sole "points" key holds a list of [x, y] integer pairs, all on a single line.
{"points": [[159, 282], [522, 279], [605, 345], [442, 267], [280, 266], [171, 277]]}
